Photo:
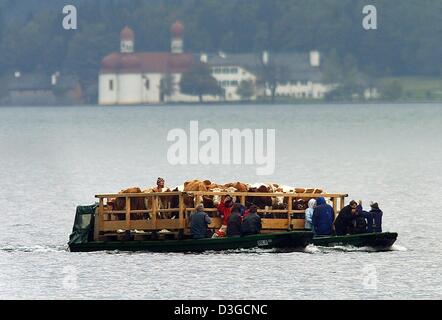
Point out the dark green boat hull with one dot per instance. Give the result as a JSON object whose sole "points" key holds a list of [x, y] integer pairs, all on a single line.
{"points": [[294, 240], [375, 240]]}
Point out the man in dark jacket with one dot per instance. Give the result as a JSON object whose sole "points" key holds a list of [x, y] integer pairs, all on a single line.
{"points": [[322, 219], [199, 221], [360, 222], [376, 215], [251, 223], [234, 222], [369, 219], [344, 222]]}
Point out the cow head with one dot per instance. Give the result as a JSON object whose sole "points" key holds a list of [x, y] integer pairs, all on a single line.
{"points": [[231, 191], [216, 198], [278, 202]]}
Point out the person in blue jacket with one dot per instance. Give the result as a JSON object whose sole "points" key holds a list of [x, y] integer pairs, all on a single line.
{"points": [[323, 217], [374, 219]]}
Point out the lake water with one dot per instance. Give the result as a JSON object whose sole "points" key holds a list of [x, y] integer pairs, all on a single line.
{"points": [[53, 159]]}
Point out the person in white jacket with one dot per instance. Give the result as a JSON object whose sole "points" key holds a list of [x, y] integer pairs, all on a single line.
{"points": [[309, 215]]}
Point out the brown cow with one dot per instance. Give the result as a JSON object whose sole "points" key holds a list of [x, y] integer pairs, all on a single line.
{"points": [[209, 201], [163, 202], [260, 202], [194, 185], [171, 202], [239, 186], [215, 200], [136, 203]]}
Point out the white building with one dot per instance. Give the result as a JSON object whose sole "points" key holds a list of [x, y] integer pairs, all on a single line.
{"points": [[300, 75], [229, 74]]}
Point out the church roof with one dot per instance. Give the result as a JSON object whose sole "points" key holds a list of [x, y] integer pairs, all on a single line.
{"points": [[147, 62]]}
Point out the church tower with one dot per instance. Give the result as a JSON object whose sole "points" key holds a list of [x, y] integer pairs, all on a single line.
{"points": [[177, 30], [127, 38]]}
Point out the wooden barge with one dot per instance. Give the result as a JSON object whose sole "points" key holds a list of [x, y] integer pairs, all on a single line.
{"points": [[101, 227]]}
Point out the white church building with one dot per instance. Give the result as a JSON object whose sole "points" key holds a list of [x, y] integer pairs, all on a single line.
{"points": [[133, 78], [128, 78]]}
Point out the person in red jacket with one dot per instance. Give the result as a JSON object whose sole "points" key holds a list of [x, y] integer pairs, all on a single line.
{"points": [[225, 208]]}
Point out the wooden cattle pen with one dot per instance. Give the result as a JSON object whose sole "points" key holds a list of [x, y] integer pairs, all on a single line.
{"points": [[111, 224]]}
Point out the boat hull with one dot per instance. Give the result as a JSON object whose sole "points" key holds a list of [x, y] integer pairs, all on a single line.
{"points": [[293, 240], [375, 240]]}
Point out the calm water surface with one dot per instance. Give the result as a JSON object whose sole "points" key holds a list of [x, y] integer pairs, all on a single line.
{"points": [[53, 159]]}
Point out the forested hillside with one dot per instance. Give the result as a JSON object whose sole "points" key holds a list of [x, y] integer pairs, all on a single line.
{"points": [[407, 41]]}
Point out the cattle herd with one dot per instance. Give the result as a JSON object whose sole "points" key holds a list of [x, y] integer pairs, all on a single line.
{"points": [[209, 201]]}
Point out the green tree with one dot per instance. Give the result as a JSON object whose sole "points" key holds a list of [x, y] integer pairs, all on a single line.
{"points": [[246, 89], [167, 86], [86, 50], [349, 82], [270, 75], [198, 81], [392, 91], [405, 43], [3, 88]]}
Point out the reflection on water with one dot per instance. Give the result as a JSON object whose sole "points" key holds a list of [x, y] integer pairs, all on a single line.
{"points": [[53, 159]]}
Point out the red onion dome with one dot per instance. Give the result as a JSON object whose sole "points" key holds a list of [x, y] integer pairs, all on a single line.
{"points": [[127, 34], [177, 29]]}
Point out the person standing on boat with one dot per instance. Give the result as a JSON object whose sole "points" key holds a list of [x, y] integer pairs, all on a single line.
{"points": [[322, 219], [160, 185], [234, 222], [361, 218], [345, 221], [361, 221], [376, 215], [251, 223], [242, 208], [309, 215], [199, 221], [225, 208]]}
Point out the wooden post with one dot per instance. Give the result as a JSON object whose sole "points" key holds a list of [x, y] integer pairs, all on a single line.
{"points": [[98, 220], [182, 214], [127, 213], [335, 206], [154, 211], [111, 216], [342, 203], [243, 200], [289, 213]]}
